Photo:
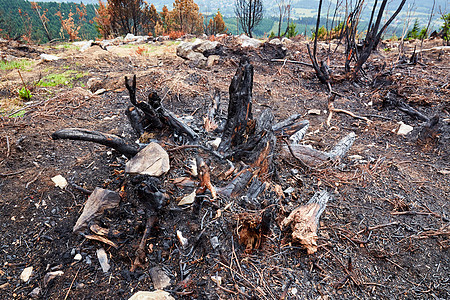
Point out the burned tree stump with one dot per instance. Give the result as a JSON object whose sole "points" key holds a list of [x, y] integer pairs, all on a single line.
{"points": [[239, 107], [155, 114], [245, 139]]}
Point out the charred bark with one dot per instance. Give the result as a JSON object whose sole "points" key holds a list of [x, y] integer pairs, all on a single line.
{"points": [[156, 115], [105, 139], [239, 107]]}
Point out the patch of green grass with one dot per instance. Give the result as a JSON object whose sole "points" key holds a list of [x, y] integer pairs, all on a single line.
{"points": [[19, 114], [67, 46], [65, 78], [21, 64]]}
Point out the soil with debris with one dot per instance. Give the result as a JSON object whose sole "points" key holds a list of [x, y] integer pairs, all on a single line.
{"points": [[384, 234]]}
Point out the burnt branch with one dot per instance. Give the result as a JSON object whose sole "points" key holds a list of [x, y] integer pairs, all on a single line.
{"points": [[105, 139]]}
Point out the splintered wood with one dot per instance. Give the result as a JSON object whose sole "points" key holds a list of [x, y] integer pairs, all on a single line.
{"points": [[304, 221]]}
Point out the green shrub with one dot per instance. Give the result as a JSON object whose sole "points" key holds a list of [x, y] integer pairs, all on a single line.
{"points": [[25, 93]]}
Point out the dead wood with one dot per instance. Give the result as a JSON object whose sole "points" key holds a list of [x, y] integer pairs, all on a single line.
{"points": [[209, 121], [392, 100], [105, 139], [156, 115], [286, 123], [311, 157], [139, 261], [237, 185], [205, 178], [304, 221], [98, 201], [239, 107]]}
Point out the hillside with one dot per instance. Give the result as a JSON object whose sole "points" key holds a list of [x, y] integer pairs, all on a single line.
{"points": [[383, 234]]}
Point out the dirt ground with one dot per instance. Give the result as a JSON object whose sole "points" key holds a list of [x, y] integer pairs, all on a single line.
{"points": [[385, 234]]}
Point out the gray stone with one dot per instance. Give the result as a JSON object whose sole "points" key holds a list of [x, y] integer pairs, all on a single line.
{"points": [[49, 57], [212, 59], [159, 278], [275, 42], [204, 46], [155, 295], [246, 41], [153, 160]]}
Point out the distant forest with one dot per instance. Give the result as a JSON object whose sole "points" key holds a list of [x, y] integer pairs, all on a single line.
{"points": [[19, 20]]}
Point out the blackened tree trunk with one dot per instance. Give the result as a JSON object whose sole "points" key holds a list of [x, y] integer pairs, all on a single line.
{"points": [[239, 107]]}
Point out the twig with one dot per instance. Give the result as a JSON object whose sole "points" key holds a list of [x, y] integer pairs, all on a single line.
{"points": [[71, 284], [8, 146], [378, 226], [303, 164], [11, 174], [33, 180], [292, 62]]}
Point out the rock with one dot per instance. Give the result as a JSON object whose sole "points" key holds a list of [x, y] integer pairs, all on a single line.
{"points": [[189, 199], [59, 181], [403, 129], [98, 201], [50, 276], [35, 293], [203, 46], [183, 241], [314, 111], [86, 45], [156, 295], [49, 57], [214, 143], [212, 59], [289, 190], [214, 242], [103, 260], [26, 274], [275, 41], [217, 279], [246, 41], [159, 278], [285, 40], [78, 257], [153, 160]]}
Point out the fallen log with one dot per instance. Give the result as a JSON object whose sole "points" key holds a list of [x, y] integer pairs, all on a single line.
{"points": [[105, 139], [391, 100], [304, 221]]}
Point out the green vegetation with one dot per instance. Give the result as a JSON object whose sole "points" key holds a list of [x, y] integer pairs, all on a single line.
{"points": [[291, 30], [21, 64], [19, 20], [19, 114], [25, 93], [416, 32], [65, 78], [446, 27]]}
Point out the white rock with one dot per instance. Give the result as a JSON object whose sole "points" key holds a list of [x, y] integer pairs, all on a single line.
{"points": [[404, 129], [103, 260], [183, 241], [49, 57], [35, 292], [217, 279], [86, 45], [78, 257], [285, 40], [26, 274], [246, 41], [355, 157], [214, 143], [153, 160], [59, 181], [314, 111], [156, 295], [50, 275], [275, 41], [189, 199], [212, 59]]}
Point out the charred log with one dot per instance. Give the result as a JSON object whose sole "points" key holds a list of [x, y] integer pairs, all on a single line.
{"points": [[391, 100], [105, 139]]}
